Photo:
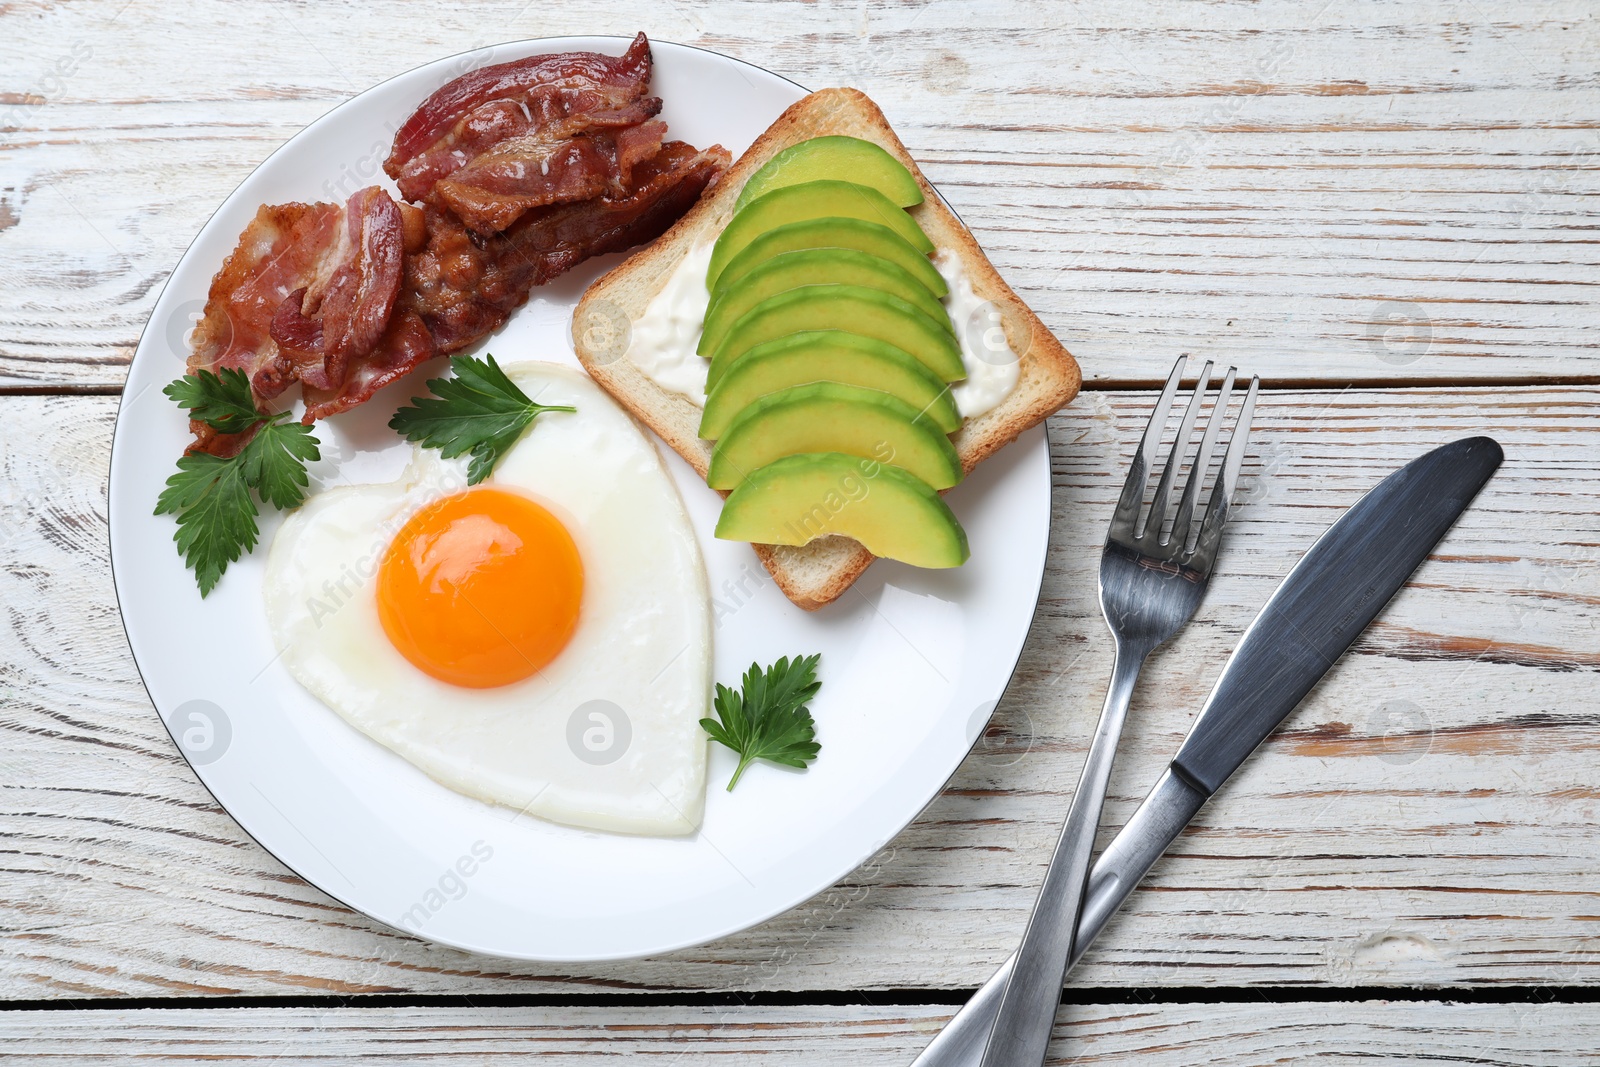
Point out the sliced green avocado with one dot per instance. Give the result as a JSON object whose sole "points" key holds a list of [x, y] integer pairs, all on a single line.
{"points": [[813, 266], [829, 417], [812, 200], [799, 498], [847, 158], [869, 312], [833, 232], [827, 355]]}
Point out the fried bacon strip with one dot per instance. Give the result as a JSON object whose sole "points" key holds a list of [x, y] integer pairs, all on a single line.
{"points": [[278, 253], [465, 286], [308, 289], [404, 345], [500, 186], [543, 116], [553, 242], [501, 142], [345, 310], [537, 102]]}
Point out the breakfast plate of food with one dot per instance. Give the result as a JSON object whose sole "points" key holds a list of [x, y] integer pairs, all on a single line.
{"points": [[582, 498]]}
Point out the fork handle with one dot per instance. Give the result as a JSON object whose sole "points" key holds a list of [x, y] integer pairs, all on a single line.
{"points": [[1021, 1034]]}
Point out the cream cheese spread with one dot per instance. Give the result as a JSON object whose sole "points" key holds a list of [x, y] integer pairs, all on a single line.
{"points": [[662, 341], [992, 367]]}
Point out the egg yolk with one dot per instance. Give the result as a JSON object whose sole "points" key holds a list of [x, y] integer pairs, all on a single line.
{"points": [[481, 589]]}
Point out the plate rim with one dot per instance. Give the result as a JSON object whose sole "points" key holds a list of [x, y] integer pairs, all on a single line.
{"points": [[111, 508]]}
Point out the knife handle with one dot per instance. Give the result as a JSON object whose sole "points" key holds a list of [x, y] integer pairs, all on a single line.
{"points": [[1160, 819]]}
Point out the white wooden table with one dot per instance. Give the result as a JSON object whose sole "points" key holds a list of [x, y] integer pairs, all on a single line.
{"points": [[1386, 209]]}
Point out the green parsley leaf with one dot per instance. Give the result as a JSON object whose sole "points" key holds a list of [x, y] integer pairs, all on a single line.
{"points": [[480, 411], [216, 517], [769, 719], [222, 401], [274, 462], [211, 497]]}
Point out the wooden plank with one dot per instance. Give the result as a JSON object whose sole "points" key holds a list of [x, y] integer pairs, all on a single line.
{"points": [[1428, 818], [1358, 191], [1160, 1035]]}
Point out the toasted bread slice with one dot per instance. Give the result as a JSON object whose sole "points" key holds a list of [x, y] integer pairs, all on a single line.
{"points": [[817, 573]]}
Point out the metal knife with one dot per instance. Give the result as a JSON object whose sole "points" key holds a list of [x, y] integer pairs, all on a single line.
{"points": [[1318, 611]]}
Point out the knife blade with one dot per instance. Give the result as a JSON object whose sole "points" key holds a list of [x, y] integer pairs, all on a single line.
{"points": [[1322, 605]]}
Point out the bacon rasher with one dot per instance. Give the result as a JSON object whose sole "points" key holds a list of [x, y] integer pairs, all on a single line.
{"points": [[464, 286], [277, 254], [405, 344], [308, 289], [344, 311], [558, 93], [499, 142], [500, 186]]}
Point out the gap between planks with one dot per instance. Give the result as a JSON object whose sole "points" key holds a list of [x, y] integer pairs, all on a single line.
{"points": [[1071, 996]]}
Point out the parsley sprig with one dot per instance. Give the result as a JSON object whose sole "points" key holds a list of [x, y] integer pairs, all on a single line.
{"points": [[480, 411], [212, 497], [769, 719]]}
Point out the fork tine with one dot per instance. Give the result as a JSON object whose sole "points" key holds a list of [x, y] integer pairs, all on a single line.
{"points": [[1180, 444], [1205, 549], [1235, 456], [1127, 513], [1202, 464]]}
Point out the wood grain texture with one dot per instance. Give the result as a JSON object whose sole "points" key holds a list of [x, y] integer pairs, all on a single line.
{"points": [[1427, 818], [1366, 191], [1354, 191], [1164, 1035]]}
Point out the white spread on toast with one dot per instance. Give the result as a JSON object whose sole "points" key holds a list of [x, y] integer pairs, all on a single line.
{"points": [[992, 367], [663, 339]]}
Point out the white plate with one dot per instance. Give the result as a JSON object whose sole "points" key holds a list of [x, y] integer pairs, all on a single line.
{"points": [[912, 661]]}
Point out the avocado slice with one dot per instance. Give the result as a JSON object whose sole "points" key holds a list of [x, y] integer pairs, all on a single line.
{"points": [[813, 266], [811, 200], [848, 158], [829, 417], [833, 232], [827, 355], [869, 312], [796, 499]]}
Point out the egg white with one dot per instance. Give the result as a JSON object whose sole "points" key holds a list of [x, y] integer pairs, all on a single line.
{"points": [[642, 645]]}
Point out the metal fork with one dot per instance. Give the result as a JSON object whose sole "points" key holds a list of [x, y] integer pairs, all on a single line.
{"points": [[1150, 586]]}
